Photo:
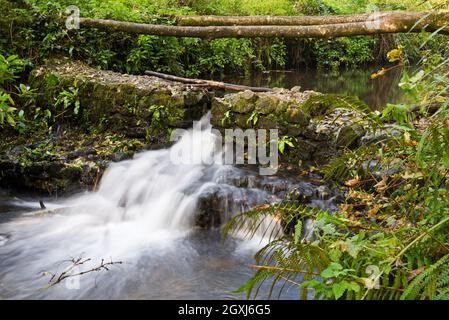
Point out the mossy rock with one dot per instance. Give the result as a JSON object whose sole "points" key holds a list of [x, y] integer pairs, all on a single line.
{"points": [[267, 104], [294, 114], [243, 102]]}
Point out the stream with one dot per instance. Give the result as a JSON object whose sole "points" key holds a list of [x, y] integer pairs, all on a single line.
{"points": [[143, 215]]}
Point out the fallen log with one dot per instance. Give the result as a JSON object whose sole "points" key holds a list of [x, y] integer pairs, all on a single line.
{"points": [[185, 20], [392, 22], [207, 83]]}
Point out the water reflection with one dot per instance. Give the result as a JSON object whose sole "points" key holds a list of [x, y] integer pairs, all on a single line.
{"points": [[375, 92]]}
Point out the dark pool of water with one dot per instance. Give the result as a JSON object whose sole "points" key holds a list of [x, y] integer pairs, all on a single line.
{"points": [[375, 92]]}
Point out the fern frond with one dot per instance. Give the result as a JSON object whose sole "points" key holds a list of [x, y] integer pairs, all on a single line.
{"points": [[270, 220], [283, 261], [428, 283]]}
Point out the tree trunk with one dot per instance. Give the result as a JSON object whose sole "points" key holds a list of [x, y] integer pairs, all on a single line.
{"points": [[386, 22]]}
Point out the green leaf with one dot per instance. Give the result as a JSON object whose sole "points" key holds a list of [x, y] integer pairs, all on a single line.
{"points": [[330, 271], [77, 107], [339, 289], [353, 248], [335, 254], [156, 115], [281, 146], [10, 120], [298, 231]]}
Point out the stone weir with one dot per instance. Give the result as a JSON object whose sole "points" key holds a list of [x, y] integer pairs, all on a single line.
{"points": [[121, 114], [314, 131]]}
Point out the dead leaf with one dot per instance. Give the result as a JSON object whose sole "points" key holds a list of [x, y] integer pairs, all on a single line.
{"points": [[379, 73], [412, 274], [411, 175], [353, 182], [344, 207], [277, 216], [381, 186]]}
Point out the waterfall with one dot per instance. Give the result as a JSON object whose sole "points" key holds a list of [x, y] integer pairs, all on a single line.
{"points": [[146, 204], [156, 194]]}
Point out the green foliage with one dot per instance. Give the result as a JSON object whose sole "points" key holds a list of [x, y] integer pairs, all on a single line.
{"points": [[253, 118], [158, 112], [431, 283], [344, 52], [68, 98], [283, 142], [9, 69], [388, 238], [185, 57], [227, 118], [7, 110]]}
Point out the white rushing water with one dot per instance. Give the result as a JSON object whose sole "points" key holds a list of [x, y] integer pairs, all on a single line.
{"points": [[142, 208]]}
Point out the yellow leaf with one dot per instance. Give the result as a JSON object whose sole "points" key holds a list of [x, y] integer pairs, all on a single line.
{"points": [[440, 99], [395, 55], [373, 211], [344, 207], [408, 140]]}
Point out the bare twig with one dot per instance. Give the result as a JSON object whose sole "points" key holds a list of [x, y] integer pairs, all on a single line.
{"points": [[56, 278]]}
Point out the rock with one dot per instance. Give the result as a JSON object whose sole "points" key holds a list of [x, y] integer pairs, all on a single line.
{"points": [[267, 104], [296, 116], [323, 192], [117, 101], [372, 168], [210, 209], [243, 102], [318, 134], [120, 156], [81, 153], [300, 195], [380, 134]]}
